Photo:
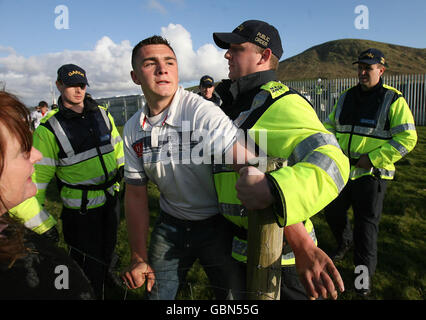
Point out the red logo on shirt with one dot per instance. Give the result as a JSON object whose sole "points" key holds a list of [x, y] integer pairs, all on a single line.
{"points": [[138, 147]]}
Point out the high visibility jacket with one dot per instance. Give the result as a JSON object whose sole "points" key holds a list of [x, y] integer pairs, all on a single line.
{"points": [[378, 123], [32, 215], [317, 169], [84, 151]]}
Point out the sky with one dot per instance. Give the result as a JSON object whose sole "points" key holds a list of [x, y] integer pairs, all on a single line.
{"points": [[37, 37]]}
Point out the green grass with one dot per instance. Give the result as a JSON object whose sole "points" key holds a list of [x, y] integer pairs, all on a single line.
{"points": [[400, 271]]}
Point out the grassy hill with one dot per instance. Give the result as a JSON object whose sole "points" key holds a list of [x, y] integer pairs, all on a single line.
{"points": [[334, 59]]}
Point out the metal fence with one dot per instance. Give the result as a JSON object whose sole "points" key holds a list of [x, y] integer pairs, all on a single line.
{"points": [[122, 108], [322, 94]]}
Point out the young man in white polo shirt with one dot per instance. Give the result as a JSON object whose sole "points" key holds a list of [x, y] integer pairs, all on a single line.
{"points": [[159, 142]]}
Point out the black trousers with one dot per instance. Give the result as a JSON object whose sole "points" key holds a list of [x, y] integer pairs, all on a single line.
{"points": [[91, 238], [365, 195]]}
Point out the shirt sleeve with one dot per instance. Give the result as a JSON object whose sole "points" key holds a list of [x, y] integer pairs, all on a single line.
{"points": [[134, 172], [214, 125]]}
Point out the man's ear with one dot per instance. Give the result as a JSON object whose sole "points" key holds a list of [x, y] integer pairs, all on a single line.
{"points": [[134, 78], [266, 56], [59, 86]]}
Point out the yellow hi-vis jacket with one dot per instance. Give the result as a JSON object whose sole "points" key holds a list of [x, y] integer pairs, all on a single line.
{"points": [[84, 151], [382, 126], [317, 169], [33, 216]]}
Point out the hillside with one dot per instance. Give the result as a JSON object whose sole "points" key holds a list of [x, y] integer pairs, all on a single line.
{"points": [[334, 59]]}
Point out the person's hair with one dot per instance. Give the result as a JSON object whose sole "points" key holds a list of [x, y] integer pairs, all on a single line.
{"points": [[380, 66], [14, 117], [274, 62], [43, 104], [146, 42]]}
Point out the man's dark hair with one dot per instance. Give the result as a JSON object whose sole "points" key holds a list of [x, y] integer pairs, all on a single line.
{"points": [[43, 104], [148, 41]]}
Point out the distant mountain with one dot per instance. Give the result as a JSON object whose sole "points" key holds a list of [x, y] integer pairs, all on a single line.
{"points": [[334, 59]]}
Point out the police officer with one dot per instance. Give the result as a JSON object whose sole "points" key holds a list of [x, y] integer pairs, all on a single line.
{"points": [[375, 128], [82, 148], [206, 88], [317, 169]]}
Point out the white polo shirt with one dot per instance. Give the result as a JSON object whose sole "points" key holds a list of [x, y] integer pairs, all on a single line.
{"points": [[175, 153]]}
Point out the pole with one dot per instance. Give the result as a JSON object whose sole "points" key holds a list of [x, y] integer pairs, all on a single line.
{"points": [[265, 240]]}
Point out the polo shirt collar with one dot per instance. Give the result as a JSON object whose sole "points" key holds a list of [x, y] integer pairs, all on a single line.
{"points": [[173, 114]]}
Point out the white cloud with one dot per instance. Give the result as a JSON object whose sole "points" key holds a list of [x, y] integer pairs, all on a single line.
{"points": [[107, 65], [194, 64]]}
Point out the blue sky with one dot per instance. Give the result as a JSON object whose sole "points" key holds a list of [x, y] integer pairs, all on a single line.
{"points": [[101, 35]]}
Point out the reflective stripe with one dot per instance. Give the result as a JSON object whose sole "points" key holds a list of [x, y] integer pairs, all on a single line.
{"points": [[37, 220], [235, 210], [93, 181], [106, 119], [85, 155], [258, 101], [402, 128], [311, 143], [401, 149], [365, 131], [381, 123], [377, 132], [72, 158], [92, 202], [48, 162], [357, 172], [41, 186], [339, 108], [328, 165], [239, 247], [116, 140], [120, 161], [61, 136]]}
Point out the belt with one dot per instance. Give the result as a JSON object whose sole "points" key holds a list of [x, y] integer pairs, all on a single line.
{"points": [[188, 223]]}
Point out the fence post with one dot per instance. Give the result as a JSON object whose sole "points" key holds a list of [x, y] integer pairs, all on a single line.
{"points": [[265, 240]]}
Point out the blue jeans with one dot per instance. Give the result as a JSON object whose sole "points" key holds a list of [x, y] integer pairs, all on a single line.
{"points": [[176, 244]]}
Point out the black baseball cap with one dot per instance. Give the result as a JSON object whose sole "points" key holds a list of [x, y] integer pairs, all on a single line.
{"points": [[71, 74], [371, 56], [206, 81], [258, 32]]}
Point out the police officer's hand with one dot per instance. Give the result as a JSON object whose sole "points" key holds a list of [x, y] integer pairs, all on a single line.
{"points": [[137, 273], [364, 162], [317, 271], [253, 189]]}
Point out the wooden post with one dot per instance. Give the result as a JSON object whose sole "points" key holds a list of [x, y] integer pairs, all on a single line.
{"points": [[265, 241]]}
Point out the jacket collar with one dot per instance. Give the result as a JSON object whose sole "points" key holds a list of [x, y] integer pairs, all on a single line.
{"points": [[373, 90], [90, 105], [251, 81]]}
